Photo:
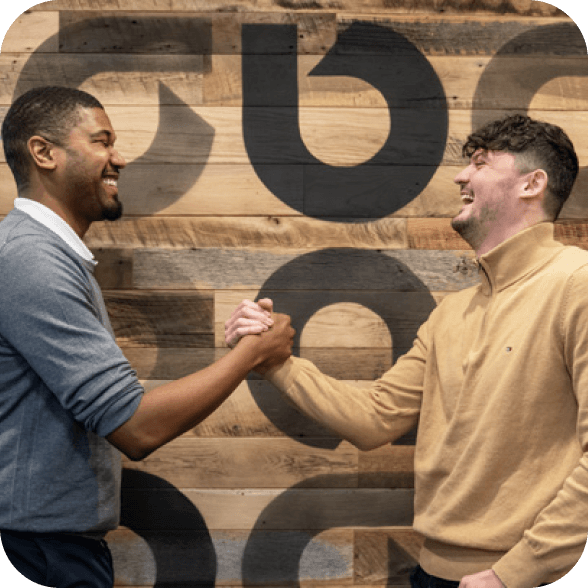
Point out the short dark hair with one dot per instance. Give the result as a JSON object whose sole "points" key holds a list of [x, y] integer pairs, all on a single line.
{"points": [[47, 111], [535, 145]]}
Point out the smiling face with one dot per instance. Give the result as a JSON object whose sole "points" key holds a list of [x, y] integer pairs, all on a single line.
{"points": [[89, 169], [490, 186]]}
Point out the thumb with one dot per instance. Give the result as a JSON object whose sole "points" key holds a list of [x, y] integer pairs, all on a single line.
{"points": [[266, 304]]}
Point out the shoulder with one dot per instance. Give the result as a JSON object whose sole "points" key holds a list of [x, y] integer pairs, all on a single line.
{"points": [[570, 267], [32, 255]]}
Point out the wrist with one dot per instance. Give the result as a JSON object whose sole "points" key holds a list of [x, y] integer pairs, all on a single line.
{"points": [[249, 345]]}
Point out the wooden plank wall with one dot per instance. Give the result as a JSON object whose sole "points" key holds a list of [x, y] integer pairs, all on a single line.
{"points": [[305, 151]]}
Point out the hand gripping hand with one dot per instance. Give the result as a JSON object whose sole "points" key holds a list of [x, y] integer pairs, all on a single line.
{"points": [[249, 318]]}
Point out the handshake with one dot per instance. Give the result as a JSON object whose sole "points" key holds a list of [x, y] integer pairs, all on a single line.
{"points": [[275, 334]]}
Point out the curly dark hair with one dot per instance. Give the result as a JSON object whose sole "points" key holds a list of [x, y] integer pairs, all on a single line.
{"points": [[535, 145], [48, 111]]}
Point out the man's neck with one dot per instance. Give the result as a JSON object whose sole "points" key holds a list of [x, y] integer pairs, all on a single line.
{"points": [[56, 206]]}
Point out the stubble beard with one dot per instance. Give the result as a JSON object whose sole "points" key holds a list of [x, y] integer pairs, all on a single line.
{"points": [[469, 230], [112, 211]]}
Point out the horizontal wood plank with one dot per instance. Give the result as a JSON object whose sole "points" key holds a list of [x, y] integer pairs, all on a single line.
{"points": [[169, 363], [256, 409], [163, 508], [436, 233], [113, 79], [388, 466], [175, 190], [190, 462], [332, 319], [113, 243], [232, 558], [560, 86], [378, 557], [212, 136], [245, 232], [337, 269], [520, 8], [554, 83], [163, 363], [161, 319], [385, 555]]}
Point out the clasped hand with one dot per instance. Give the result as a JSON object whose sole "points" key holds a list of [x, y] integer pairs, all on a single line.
{"points": [[251, 318]]}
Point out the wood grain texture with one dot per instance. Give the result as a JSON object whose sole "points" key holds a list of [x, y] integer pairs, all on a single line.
{"points": [[168, 509], [190, 462], [257, 494], [328, 269], [231, 557], [290, 232], [510, 7], [386, 555], [161, 319]]}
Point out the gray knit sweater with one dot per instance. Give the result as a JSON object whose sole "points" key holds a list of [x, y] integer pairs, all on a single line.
{"points": [[64, 386]]}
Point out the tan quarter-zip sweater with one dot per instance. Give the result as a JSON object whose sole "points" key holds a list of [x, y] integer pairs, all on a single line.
{"points": [[498, 376]]}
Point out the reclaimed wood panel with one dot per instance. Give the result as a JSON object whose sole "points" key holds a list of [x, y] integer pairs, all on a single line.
{"points": [[333, 319], [257, 494], [117, 240], [289, 232], [386, 555], [159, 508], [190, 462], [179, 135], [233, 558], [166, 363], [255, 409], [161, 319], [329, 269]]}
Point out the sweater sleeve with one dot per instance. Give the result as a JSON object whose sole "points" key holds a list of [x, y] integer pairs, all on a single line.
{"points": [[555, 542], [366, 417], [48, 317]]}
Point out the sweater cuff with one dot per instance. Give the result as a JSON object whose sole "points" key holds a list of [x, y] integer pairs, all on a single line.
{"points": [[522, 568]]}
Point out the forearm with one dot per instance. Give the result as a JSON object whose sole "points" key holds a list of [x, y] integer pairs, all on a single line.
{"points": [[173, 408], [366, 416]]}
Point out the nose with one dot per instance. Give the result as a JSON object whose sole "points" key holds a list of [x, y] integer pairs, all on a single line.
{"points": [[117, 159], [463, 176]]}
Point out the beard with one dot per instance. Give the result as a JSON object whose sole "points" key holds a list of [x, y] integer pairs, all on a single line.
{"points": [[113, 211], [469, 229]]}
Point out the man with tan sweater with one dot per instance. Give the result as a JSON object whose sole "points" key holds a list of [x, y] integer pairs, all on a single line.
{"points": [[497, 377]]}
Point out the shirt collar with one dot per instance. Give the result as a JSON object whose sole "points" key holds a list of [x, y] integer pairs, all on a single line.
{"points": [[518, 256], [56, 224]]}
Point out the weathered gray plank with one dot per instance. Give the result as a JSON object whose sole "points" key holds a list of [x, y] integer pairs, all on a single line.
{"points": [[329, 269], [192, 558], [161, 319]]}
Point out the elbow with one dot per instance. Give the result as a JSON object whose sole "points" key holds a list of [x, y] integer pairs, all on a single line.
{"points": [[365, 444], [133, 446], [137, 452]]}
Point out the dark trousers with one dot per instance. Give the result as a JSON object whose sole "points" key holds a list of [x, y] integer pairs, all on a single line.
{"points": [[60, 560], [420, 579]]}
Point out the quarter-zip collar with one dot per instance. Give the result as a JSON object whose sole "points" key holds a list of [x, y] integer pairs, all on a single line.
{"points": [[517, 257]]}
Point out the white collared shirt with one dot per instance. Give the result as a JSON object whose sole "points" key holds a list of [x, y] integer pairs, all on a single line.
{"points": [[54, 223]]}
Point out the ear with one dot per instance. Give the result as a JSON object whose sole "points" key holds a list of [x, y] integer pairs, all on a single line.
{"points": [[42, 152], [534, 184]]}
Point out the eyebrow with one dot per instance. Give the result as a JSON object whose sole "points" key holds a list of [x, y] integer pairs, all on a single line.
{"points": [[480, 154], [109, 134]]}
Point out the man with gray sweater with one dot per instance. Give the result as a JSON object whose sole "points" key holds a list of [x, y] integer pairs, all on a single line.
{"points": [[69, 400]]}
